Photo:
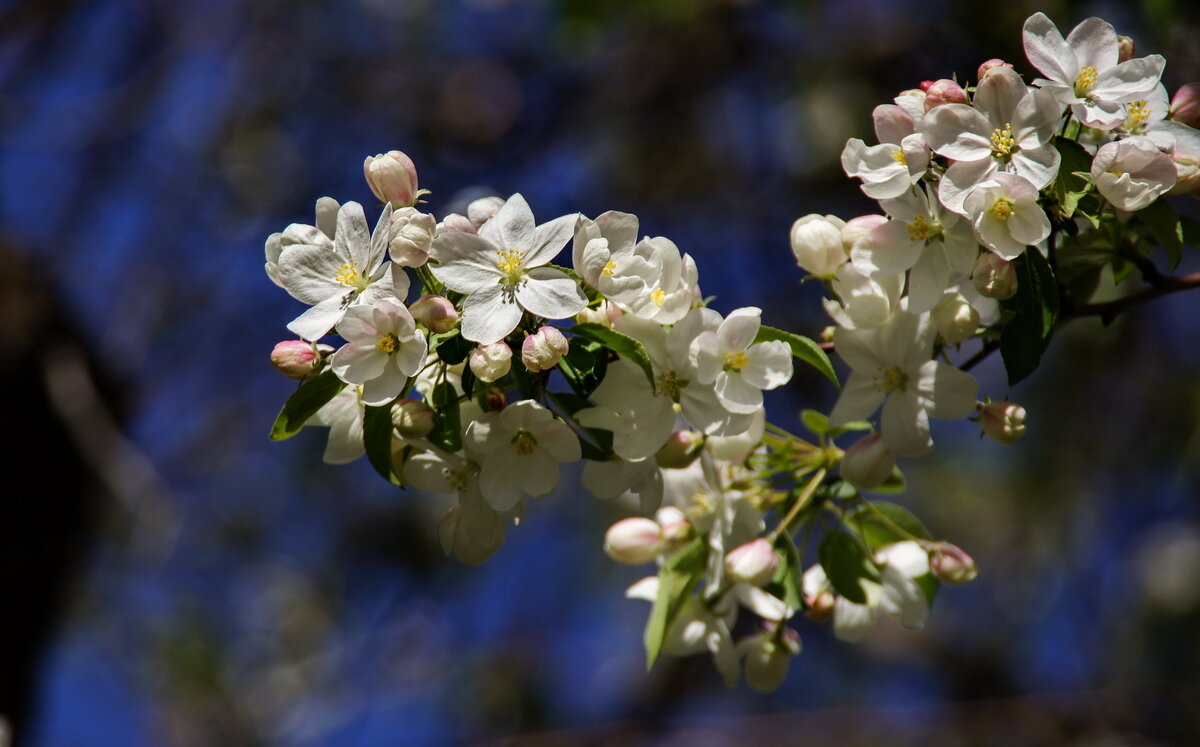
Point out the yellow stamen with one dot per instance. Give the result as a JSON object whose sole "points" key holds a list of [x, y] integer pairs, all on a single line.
{"points": [[609, 268], [388, 344], [1085, 80], [659, 296], [524, 443], [737, 361], [890, 380], [349, 276], [509, 262], [670, 384], [923, 228], [1003, 144], [898, 157], [1139, 112], [1002, 208]]}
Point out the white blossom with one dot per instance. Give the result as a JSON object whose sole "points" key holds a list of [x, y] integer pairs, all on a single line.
{"points": [[519, 449], [1132, 173], [383, 349], [1006, 216], [738, 367]]}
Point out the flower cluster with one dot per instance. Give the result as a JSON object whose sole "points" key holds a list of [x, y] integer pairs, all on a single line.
{"points": [[998, 202]]}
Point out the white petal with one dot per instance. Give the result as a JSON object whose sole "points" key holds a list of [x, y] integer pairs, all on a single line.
{"points": [[770, 365], [1047, 50], [905, 425], [550, 238], [958, 131], [512, 227], [950, 391], [465, 262], [860, 398], [550, 293], [489, 315]]}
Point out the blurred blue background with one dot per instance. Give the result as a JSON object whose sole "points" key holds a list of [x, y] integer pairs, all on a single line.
{"points": [[230, 590]]}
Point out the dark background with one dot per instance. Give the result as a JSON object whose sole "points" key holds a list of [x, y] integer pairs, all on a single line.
{"points": [[196, 584]]}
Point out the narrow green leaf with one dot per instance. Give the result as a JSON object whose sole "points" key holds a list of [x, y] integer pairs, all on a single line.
{"points": [[789, 574], [1069, 187], [1035, 311], [817, 422], [377, 437], [1190, 230], [304, 403], [584, 365], [803, 348], [447, 429], [620, 343], [847, 565], [878, 524], [674, 588], [1163, 221]]}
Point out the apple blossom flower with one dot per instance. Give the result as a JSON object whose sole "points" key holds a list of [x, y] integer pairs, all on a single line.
{"points": [[1132, 173], [335, 274], [595, 243], [754, 562], [1009, 128], [897, 593], [615, 477], [653, 281], [343, 416], [501, 271], [994, 276], [633, 541], [543, 349], [640, 419], [299, 233], [817, 244], [897, 163], [383, 349], [681, 449], [491, 361], [865, 301], [891, 366], [955, 318], [768, 655], [950, 564], [410, 237], [412, 418], [868, 463], [741, 369], [698, 627], [519, 449], [1083, 71], [944, 91], [298, 359], [924, 239], [392, 178], [472, 531], [435, 313], [483, 209], [1006, 216]]}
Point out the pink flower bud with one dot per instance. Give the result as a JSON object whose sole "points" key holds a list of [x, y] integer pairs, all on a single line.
{"points": [[951, 564], [944, 91], [495, 399], [410, 235], [490, 362], [1187, 174], [819, 606], [989, 65], [857, 229], [543, 349], [298, 359], [817, 244], [994, 276], [481, 211], [1185, 105], [754, 562], [675, 526], [925, 84], [436, 313], [680, 450], [606, 313], [956, 319], [1124, 49], [633, 541], [868, 463], [455, 222], [412, 418], [392, 178], [1004, 421]]}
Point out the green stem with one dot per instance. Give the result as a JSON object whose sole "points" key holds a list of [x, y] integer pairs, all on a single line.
{"points": [[806, 495]]}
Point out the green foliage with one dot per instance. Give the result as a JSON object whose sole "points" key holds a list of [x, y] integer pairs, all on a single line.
{"points": [[1072, 183], [447, 427], [451, 347], [803, 348], [846, 564], [584, 365], [620, 343], [304, 403], [1163, 221], [377, 438], [676, 579], [881, 523], [1035, 311]]}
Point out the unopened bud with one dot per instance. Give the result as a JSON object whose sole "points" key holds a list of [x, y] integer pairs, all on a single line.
{"points": [[675, 526], [768, 657], [456, 223], [1187, 174], [298, 359], [392, 178], [1185, 105], [868, 463], [951, 564], [994, 276], [1124, 48], [490, 362], [988, 65], [410, 235], [412, 418], [955, 318], [754, 562], [481, 211], [495, 399], [543, 349], [633, 541], [1004, 421], [436, 313], [606, 313], [819, 606], [944, 91], [680, 450], [817, 245], [856, 229]]}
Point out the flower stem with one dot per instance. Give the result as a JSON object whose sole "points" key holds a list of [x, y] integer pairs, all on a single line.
{"points": [[806, 495]]}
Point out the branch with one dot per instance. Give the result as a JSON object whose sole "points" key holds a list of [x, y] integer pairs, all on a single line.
{"points": [[1160, 285]]}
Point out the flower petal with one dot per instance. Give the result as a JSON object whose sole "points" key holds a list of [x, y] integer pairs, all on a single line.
{"points": [[550, 293], [489, 315]]}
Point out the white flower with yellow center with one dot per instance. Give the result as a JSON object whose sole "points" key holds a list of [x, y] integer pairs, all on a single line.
{"points": [[897, 163], [383, 349], [1132, 173], [639, 418], [930, 243], [1083, 72], [739, 368], [343, 416], [519, 449], [334, 275], [300, 233], [652, 280], [501, 271], [891, 367], [1008, 128], [1006, 216], [897, 592]]}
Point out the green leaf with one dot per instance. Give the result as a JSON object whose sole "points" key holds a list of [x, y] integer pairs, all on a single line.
{"points": [[447, 429], [451, 347], [929, 586], [877, 524], [1164, 223], [803, 348], [789, 573], [584, 365], [846, 564], [1069, 187], [304, 403], [895, 483], [620, 343], [527, 385], [1190, 229], [817, 422], [1035, 311], [377, 437], [676, 579]]}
